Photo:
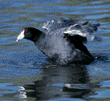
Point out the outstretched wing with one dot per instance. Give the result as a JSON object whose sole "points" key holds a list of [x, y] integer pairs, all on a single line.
{"points": [[86, 29], [78, 40], [57, 24]]}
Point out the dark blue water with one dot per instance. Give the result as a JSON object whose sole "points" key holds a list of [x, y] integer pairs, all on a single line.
{"points": [[27, 75]]}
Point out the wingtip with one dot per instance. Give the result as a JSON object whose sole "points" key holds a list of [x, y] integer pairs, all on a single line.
{"points": [[98, 24], [85, 23]]}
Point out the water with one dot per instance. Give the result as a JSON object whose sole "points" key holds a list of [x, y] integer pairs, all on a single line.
{"points": [[27, 75]]}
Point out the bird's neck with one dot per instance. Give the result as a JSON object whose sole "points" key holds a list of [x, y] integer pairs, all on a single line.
{"points": [[37, 35]]}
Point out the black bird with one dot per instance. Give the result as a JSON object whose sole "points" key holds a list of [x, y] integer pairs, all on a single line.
{"points": [[62, 47]]}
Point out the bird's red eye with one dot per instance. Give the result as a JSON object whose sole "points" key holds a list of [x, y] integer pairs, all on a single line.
{"points": [[23, 29]]}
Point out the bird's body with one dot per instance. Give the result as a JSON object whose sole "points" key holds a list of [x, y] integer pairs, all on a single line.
{"points": [[61, 48], [59, 51]]}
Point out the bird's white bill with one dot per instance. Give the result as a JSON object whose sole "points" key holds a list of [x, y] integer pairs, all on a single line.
{"points": [[20, 36]]}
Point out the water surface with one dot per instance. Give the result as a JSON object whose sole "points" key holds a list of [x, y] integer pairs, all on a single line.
{"points": [[27, 75]]}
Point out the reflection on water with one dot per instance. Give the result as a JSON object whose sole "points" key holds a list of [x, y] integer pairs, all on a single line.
{"points": [[60, 82]]}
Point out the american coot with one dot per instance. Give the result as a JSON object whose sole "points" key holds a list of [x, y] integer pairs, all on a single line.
{"points": [[61, 47]]}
